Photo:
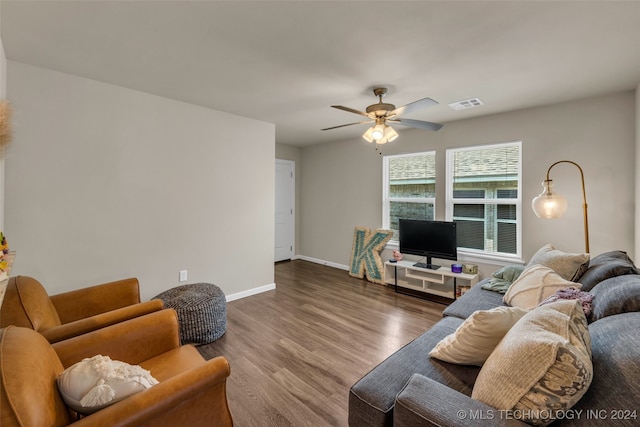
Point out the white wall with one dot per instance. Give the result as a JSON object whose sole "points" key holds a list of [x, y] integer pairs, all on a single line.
{"points": [[637, 180], [104, 182], [342, 181]]}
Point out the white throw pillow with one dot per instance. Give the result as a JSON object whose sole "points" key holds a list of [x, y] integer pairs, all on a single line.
{"points": [[568, 266], [97, 382], [542, 366], [534, 285], [477, 336]]}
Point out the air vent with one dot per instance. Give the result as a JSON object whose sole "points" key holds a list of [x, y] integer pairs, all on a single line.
{"points": [[466, 104]]}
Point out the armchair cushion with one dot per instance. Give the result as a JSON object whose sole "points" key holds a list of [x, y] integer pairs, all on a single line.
{"points": [[97, 382]]}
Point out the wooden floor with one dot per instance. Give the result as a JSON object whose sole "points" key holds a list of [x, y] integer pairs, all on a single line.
{"points": [[295, 351]]}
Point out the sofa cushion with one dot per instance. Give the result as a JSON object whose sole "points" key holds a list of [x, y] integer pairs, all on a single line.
{"points": [[541, 366], [474, 299], [604, 266], [97, 382], [477, 336], [372, 398], [616, 295], [615, 355], [534, 285], [568, 266]]}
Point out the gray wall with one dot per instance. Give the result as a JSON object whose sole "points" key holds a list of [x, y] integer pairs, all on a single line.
{"points": [[342, 181], [104, 182]]}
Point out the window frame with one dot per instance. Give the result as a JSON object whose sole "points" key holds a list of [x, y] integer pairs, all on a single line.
{"points": [[450, 201], [387, 199]]}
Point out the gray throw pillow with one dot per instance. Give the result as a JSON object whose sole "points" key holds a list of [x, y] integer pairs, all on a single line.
{"points": [[620, 294], [604, 266]]}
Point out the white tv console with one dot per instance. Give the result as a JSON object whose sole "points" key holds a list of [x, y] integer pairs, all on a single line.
{"points": [[404, 274]]}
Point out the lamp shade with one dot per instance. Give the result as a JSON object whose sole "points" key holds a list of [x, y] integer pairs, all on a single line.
{"points": [[368, 135], [378, 131], [390, 134], [549, 204]]}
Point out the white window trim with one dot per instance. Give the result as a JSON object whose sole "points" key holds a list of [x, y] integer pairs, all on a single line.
{"points": [[386, 199], [470, 254]]}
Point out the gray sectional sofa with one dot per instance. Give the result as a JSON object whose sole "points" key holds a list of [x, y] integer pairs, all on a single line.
{"points": [[410, 388]]}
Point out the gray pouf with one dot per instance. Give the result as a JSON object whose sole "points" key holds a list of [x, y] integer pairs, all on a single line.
{"points": [[202, 311]]}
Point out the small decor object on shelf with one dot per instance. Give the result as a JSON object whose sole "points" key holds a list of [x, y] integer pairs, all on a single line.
{"points": [[397, 255], [456, 268], [470, 269]]}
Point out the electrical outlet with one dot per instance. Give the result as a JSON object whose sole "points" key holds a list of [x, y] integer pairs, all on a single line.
{"points": [[183, 275]]}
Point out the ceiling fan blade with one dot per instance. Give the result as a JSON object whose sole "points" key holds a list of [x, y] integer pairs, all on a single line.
{"points": [[416, 123], [349, 124], [350, 110], [413, 106]]}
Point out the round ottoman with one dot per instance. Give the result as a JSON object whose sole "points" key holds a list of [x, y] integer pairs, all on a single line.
{"points": [[202, 311]]}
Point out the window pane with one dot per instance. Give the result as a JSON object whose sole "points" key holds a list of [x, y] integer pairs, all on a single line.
{"points": [[511, 193], [468, 194], [507, 237], [468, 211], [412, 176], [470, 234], [408, 210], [486, 168], [507, 212]]}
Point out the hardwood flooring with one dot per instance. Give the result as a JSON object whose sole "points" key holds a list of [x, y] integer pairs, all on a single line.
{"points": [[295, 351]]}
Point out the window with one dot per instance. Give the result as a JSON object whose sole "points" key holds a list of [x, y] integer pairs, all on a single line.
{"points": [[409, 188], [484, 198]]}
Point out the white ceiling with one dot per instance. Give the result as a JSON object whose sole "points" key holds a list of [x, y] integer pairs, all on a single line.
{"points": [[287, 62]]}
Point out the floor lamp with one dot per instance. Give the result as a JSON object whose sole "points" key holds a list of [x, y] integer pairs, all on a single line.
{"points": [[552, 205]]}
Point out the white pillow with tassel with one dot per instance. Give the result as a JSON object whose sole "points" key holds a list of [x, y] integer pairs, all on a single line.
{"points": [[97, 382]]}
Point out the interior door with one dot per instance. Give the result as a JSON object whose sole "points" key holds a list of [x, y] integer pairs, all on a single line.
{"points": [[285, 224]]}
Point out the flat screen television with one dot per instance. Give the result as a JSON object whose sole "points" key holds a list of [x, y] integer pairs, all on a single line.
{"points": [[430, 239]]}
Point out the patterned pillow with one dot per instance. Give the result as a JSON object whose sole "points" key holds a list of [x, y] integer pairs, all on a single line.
{"points": [[477, 336], [97, 382], [604, 266], [568, 266], [534, 285], [542, 366]]}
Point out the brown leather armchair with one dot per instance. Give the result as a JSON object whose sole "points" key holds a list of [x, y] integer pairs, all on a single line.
{"points": [[27, 304], [191, 391]]}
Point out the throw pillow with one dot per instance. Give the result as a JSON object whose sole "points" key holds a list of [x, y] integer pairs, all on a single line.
{"points": [[585, 298], [568, 266], [542, 366], [97, 382], [474, 340], [616, 295], [535, 284], [503, 278], [604, 266]]}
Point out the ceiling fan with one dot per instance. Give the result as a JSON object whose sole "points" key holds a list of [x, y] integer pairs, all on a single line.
{"points": [[382, 114]]}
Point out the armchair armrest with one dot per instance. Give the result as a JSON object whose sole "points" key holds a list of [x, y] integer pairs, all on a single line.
{"points": [[96, 299], [425, 402], [82, 326], [132, 341], [188, 398]]}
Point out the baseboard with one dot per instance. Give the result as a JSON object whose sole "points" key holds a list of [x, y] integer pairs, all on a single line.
{"points": [[250, 292], [323, 262]]}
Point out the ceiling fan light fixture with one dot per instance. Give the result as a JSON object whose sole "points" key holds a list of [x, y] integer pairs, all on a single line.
{"points": [[378, 131], [368, 134], [390, 134]]}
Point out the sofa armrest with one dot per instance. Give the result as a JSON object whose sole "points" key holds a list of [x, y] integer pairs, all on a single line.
{"points": [[82, 326], [132, 341], [425, 402], [188, 398], [87, 302]]}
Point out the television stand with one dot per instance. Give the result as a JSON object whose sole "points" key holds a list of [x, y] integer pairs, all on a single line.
{"points": [[404, 275], [425, 265]]}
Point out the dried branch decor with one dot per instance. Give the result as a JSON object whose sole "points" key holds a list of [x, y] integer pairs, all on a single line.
{"points": [[5, 125]]}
